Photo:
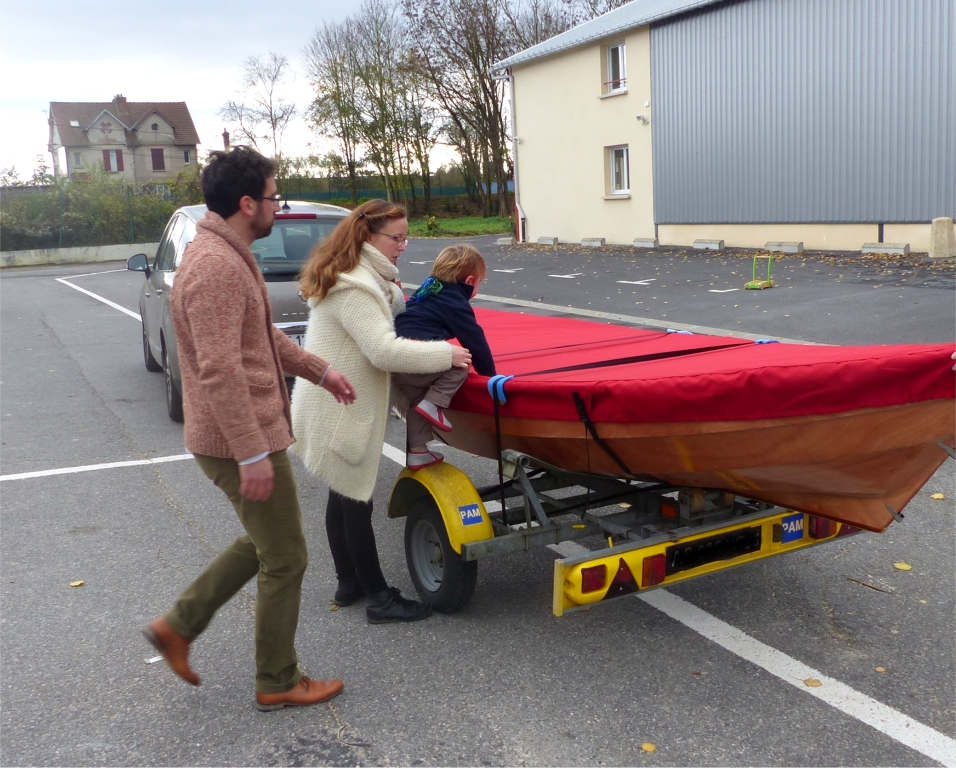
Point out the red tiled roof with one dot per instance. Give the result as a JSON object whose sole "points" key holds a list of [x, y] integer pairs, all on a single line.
{"points": [[129, 113]]}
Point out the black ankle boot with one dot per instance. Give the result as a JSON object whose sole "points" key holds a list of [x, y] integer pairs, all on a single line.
{"points": [[350, 590], [389, 605]]}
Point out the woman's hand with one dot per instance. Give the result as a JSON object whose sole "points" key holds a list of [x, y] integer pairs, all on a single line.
{"points": [[460, 357], [954, 358], [339, 387]]}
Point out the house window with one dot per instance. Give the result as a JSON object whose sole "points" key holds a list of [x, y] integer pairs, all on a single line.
{"points": [[155, 126], [616, 69], [186, 157], [159, 160], [619, 171], [74, 123], [77, 160], [113, 160]]}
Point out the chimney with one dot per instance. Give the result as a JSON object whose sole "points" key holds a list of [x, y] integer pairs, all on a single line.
{"points": [[121, 108], [225, 139]]}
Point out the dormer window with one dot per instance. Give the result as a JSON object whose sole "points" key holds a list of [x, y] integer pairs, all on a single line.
{"points": [[74, 123], [616, 69], [155, 126]]}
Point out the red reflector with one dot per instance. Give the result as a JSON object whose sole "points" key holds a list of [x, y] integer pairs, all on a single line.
{"points": [[821, 528], [654, 570], [848, 530], [623, 575], [593, 578], [669, 508]]}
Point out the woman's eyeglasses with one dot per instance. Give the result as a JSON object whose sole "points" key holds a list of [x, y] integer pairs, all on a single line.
{"points": [[400, 239]]}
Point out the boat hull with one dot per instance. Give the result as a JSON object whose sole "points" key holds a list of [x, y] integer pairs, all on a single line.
{"points": [[854, 467]]}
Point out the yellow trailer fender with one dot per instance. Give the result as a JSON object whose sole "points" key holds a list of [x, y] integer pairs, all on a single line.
{"points": [[455, 496]]}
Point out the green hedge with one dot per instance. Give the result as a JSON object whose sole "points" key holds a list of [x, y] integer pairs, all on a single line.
{"points": [[96, 211]]}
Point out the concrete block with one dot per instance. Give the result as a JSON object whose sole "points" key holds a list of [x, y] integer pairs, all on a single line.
{"points": [[942, 239], [709, 245], [781, 246], [896, 249], [505, 241], [593, 242], [547, 241], [645, 242], [77, 255]]}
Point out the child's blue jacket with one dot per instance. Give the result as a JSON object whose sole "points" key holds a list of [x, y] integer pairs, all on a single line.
{"points": [[440, 313]]}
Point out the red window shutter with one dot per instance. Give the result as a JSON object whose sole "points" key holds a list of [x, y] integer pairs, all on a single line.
{"points": [[159, 160], [106, 160], [119, 159]]}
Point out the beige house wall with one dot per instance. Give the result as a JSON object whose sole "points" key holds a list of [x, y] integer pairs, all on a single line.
{"points": [[565, 127]]}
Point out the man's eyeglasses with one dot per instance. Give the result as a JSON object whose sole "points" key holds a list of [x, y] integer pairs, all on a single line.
{"points": [[400, 239], [275, 199]]}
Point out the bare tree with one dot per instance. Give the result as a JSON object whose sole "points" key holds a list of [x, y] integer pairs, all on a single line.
{"points": [[458, 41], [534, 21], [262, 114], [330, 64]]}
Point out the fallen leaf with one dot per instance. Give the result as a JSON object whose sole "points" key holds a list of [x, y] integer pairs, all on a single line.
{"points": [[812, 682], [923, 602], [648, 747], [79, 583], [901, 566], [333, 607], [881, 669], [938, 496]]}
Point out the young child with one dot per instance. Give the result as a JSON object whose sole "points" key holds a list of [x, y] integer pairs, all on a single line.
{"points": [[440, 310]]}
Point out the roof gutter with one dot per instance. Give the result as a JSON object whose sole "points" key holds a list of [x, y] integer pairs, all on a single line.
{"points": [[519, 214]]}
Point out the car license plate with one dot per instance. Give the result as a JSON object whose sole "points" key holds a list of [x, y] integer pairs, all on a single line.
{"points": [[298, 338]]}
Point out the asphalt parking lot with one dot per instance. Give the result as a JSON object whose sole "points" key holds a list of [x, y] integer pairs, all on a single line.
{"points": [[711, 672]]}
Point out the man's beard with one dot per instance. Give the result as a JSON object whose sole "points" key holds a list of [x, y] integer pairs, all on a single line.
{"points": [[261, 230]]}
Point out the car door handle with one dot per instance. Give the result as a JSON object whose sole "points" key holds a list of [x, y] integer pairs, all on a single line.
{"points": [[159, 291]]}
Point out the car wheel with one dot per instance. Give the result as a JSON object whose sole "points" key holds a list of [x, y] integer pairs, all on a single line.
{"points": [[151, 364], [174, 400], [439, 574]]}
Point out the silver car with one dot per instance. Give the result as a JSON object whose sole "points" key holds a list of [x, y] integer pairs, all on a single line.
{"points": [[280, 256]]}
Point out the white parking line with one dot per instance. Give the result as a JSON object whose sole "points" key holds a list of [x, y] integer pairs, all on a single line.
{"points": [[888, 721], [638, 282], [725, 290], [568, 277], [873, 713], [94, 467], [66, 281]]}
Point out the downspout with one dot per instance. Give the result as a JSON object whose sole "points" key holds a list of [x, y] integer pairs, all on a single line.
{"points": [[520, 224]]}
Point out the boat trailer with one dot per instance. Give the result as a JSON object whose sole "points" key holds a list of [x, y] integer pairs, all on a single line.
{"points": [[648, 534]]}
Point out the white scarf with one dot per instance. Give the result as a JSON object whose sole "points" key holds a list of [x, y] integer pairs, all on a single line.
{"points": [[385, 274]]}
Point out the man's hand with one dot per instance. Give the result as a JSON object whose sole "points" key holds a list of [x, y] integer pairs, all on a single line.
{"points": [[460, 357], [339, 387], [255, 480]]}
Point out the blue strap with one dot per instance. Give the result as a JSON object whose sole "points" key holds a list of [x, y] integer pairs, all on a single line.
{"points": [[767, 341], [686, 333], [496, 388]]}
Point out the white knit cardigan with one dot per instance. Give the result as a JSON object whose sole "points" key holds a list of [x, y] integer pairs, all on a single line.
{"points": [[353, 328]]}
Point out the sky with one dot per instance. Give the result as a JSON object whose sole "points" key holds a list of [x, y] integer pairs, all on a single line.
{"points": [[170, 50]]}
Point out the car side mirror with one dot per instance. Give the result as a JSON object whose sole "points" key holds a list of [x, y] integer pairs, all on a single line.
{"points": [[138, 263]]}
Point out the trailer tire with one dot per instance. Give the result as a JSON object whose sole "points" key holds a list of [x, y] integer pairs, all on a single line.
{"points": [[439, 574]]}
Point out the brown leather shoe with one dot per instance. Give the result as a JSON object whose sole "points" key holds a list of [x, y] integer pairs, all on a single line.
{"points": [[175, 648], [306, 691]]}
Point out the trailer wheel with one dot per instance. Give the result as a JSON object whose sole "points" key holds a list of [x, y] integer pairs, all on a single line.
{"points": [[440, 576]]}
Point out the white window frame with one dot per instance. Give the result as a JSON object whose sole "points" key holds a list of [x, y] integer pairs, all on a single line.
{"points": [[77, 160], [616, 52], [621, 151], [114, 164], [187, 156]]}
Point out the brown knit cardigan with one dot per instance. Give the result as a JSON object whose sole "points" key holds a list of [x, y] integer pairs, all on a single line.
{"points": [[231, 357]]}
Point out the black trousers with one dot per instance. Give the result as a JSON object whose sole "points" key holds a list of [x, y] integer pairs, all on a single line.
{"points": [[348, 524]]}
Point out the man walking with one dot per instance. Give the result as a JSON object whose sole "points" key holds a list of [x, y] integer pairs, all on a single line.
{"points": [[238, 426]]}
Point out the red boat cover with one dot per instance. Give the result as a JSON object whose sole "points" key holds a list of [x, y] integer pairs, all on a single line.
{"points": [[628, 375]]}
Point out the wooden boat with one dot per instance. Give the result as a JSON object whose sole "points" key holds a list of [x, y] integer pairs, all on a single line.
{"points": [[846, 433]]}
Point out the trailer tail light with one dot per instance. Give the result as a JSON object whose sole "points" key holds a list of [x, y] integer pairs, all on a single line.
{"points": [[654, 570], [821, 528], [593, 578]]}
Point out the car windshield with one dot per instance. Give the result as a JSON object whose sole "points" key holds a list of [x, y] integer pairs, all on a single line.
{"points": [[286, 249]]}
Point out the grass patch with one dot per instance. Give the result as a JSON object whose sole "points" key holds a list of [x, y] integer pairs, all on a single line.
{"points": [[467, 225]]}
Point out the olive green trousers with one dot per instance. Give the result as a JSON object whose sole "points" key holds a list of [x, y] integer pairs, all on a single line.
{"points": [[274, 551]]}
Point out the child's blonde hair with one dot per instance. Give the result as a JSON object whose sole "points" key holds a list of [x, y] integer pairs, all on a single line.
{"points": [[458, 262]]}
